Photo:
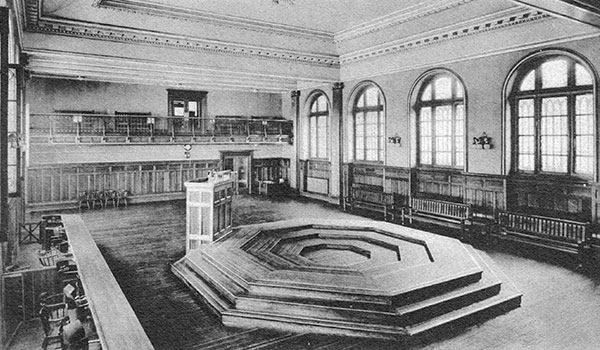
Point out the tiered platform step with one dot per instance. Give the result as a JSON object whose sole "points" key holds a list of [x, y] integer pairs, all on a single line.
{"points": [[263, 276]]}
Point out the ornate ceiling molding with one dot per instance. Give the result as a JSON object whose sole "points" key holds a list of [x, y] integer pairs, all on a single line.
{"points": [[358, 75], [396, 18], [72, 65], [500, 20], [180, 13], [36, 22]]}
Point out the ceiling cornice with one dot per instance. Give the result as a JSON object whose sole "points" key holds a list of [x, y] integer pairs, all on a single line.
{"points": [[180, 13], [359, 75], [36, 22], [499, 20], [74, 65], [396, 18]]}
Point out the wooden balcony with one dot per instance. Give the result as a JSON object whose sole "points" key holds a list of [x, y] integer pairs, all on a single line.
{"points": [[147, 128]]}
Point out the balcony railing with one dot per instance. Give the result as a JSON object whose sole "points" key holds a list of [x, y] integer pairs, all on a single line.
{"points": [[69, 127]]}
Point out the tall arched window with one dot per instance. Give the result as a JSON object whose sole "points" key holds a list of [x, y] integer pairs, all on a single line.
{"points": [[553, 116], [440, 108], [369, 125], [317, 126]]}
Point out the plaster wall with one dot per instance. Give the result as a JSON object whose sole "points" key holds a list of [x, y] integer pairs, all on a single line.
{"points": [[48, 95], [483, 78]]}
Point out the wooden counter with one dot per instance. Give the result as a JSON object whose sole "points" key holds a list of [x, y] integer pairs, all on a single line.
{"points": [[117, 325]]}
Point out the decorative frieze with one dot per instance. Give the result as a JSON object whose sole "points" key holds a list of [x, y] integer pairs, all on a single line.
{"points": [[494, 22]]}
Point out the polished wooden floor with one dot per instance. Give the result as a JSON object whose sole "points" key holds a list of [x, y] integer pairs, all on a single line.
{"points": [[560, 308]]}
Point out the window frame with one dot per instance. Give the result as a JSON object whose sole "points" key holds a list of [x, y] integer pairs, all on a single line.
{"points": [[381, 123], [317, 115], [454, 100], [538, 94]]}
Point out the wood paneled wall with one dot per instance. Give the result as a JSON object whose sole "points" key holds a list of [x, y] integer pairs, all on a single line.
{"points": [[15, 219], [62, 183], [487, 193], [317, 176], [563, 198]]}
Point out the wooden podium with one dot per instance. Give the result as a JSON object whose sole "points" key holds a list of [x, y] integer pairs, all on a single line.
{"points": [[208, 208]]}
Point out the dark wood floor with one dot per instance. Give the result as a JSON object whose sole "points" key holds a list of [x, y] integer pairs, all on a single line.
{"points": [[560, 310]]}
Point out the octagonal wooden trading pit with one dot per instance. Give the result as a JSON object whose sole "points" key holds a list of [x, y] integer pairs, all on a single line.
{"points": [[357, 278]]}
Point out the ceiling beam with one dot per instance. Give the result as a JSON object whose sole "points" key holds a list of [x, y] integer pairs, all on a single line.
{"points": [[583, 11]]}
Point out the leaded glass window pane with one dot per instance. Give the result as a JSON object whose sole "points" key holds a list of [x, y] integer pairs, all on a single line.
{"points": [[372, 97], [322, 136], [554, 73], [313, 136], [443, 88], [582, 75], [426, 96], [584, 134], [322, 104], [460, 92], [528, 82], [554, 140]]}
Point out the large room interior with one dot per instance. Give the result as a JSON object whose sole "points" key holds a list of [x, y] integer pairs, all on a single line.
{"points": [[470, 119]]}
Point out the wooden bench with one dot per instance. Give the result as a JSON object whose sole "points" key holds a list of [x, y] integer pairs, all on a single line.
{"points": [[434, 211], [370, 198], [558, 234]]}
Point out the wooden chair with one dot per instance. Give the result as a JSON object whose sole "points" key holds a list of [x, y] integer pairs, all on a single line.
{"points": [[110, 195], [53, 316], [83, 199], [122, 196], [48, 258], [98, 198]]}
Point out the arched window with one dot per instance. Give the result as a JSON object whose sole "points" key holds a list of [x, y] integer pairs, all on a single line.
{"points": [[553, 116], [317, 126], [369, 125], [440, 108]]}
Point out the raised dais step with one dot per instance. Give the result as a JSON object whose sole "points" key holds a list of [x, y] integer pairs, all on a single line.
{"points": [[365, 279]]}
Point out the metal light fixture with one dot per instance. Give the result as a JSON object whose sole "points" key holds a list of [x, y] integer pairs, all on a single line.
{"points": [[396, 139], [484, 141]]}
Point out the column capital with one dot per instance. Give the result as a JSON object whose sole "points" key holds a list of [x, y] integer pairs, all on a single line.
{"points": [[295, 93], [338, 85]]}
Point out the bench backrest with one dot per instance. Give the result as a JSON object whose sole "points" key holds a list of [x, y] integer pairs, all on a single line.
{"points": [[442, 208], [545, 226], [372, 196]]}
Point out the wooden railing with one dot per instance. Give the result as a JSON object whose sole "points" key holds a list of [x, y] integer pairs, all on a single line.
{"points": [[370, 198], [540, 226], [57, 127], [437, 211]]}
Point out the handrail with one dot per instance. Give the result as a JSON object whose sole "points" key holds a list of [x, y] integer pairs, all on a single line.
{"points": [[131, 125]]}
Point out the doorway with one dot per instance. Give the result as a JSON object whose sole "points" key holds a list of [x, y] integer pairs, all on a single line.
{"points": [[239, 162]]}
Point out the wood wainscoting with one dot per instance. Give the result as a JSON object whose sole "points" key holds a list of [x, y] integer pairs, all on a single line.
{"points": [[59, 185], [316, 176], [565, 198], [485, 193]]}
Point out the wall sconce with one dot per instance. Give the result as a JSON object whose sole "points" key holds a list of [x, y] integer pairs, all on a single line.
{"points": [[14, 140], [395, 139], [187, 149], [484, 141]]}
